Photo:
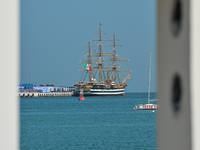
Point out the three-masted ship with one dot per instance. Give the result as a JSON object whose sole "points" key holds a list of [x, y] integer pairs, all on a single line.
{"points": [[103, 80]]}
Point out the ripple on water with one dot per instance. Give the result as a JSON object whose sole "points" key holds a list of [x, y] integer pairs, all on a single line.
{"points": [[96, 123]]}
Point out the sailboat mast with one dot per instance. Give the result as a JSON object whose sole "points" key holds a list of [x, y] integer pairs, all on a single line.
{"points": [[149, 79]]}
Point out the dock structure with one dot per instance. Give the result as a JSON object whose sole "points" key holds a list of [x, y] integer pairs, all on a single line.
{"points": [[32, 90], [45, 94]]}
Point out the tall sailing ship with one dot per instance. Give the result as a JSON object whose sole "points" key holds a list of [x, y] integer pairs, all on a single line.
{"points": [[103, 80]]}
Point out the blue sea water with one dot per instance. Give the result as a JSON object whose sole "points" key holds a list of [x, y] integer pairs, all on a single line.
{"points": [[59, 123]]}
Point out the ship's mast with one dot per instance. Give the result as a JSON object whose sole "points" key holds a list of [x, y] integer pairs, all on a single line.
{"points": [[114, 58], [100, 57], [100, 53], [89, 59]]}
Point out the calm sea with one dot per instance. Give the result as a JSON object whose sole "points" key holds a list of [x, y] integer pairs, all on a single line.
{"points": [[59, 123]]}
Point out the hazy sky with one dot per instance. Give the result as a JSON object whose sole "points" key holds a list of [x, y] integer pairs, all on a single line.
{"points": [[54, 34]]}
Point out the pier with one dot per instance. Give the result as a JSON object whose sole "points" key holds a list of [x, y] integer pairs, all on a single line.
{"points": [[32, 90], [45, 94]]}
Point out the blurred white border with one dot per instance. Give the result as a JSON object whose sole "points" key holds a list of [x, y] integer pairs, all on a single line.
{"points": [[9, 74]]}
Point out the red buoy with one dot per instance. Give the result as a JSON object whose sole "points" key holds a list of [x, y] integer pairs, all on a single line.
{"points": [[133, 108], [81, 98]]}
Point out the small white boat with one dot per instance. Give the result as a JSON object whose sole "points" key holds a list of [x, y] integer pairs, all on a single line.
{"points": [[148, 106]]}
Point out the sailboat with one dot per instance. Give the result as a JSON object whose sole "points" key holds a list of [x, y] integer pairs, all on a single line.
{"points": [[148, 106], [103, 80]]}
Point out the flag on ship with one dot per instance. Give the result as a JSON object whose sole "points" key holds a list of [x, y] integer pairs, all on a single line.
{"points": [[86, 66]]}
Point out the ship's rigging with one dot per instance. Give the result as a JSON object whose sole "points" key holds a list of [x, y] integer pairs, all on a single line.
{"points": [[97, 65]]}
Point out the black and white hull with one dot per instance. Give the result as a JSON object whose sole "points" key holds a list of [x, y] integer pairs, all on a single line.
{"points": [[102, 92]]}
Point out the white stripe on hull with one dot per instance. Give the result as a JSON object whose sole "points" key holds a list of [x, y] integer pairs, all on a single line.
{"points": [[107, 93], [106, 90]]}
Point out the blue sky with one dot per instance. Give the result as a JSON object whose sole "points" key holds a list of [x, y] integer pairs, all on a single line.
{"points": [[54, 35]]}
